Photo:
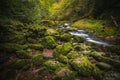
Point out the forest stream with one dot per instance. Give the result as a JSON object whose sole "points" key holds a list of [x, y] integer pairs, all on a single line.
{"points": [[86, 35]]}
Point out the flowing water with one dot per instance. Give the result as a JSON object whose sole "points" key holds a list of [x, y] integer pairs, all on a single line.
{"points": [[87, 36]]}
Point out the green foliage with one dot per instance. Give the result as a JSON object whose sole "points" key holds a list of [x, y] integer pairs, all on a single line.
{"points": [[71, 9], [37, 59], [78, 39], [63, 49], [85, 68], [65, 37], [63, 58], [73, 55], [96, 27], [35, 46], [48, 42]]}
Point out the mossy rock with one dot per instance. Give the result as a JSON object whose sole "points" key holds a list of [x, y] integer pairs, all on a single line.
{"points": [[82, 47], [48, 42], [65, 37], [37, 59], [77, 47], [20, 64], [64, 74], [12, 47], [85, 68], [36, 46], [23, 54], [73, 55], [63, 49], [54, 65], [63, 59], [78, 39]]}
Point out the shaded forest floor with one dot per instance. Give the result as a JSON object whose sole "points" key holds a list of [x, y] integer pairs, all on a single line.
{"points": [[44, 52]]}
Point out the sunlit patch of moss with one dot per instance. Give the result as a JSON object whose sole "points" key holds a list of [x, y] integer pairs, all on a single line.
{"points": [[85, 68], [63, 49], [51, 32], [63, 59], [48, 42], [73, 55], [96, 26]]}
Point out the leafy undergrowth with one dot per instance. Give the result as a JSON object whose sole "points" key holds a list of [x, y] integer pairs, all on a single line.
{"points": [[47, 53]]}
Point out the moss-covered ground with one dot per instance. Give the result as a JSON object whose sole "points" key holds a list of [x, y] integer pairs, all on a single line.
{"points": [[43, 52]]}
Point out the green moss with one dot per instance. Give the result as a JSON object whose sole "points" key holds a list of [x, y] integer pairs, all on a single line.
{"points": [[36, 46], [77, 39], [85, 68], [73, 55], [51, 32], [63, 58], [97, 27], [31, 40], [23, 54], [65, 37], [48, 23], [37, 59], [20, 64], [63, 49], [54, 65], [48, 42], [64, 74]]}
